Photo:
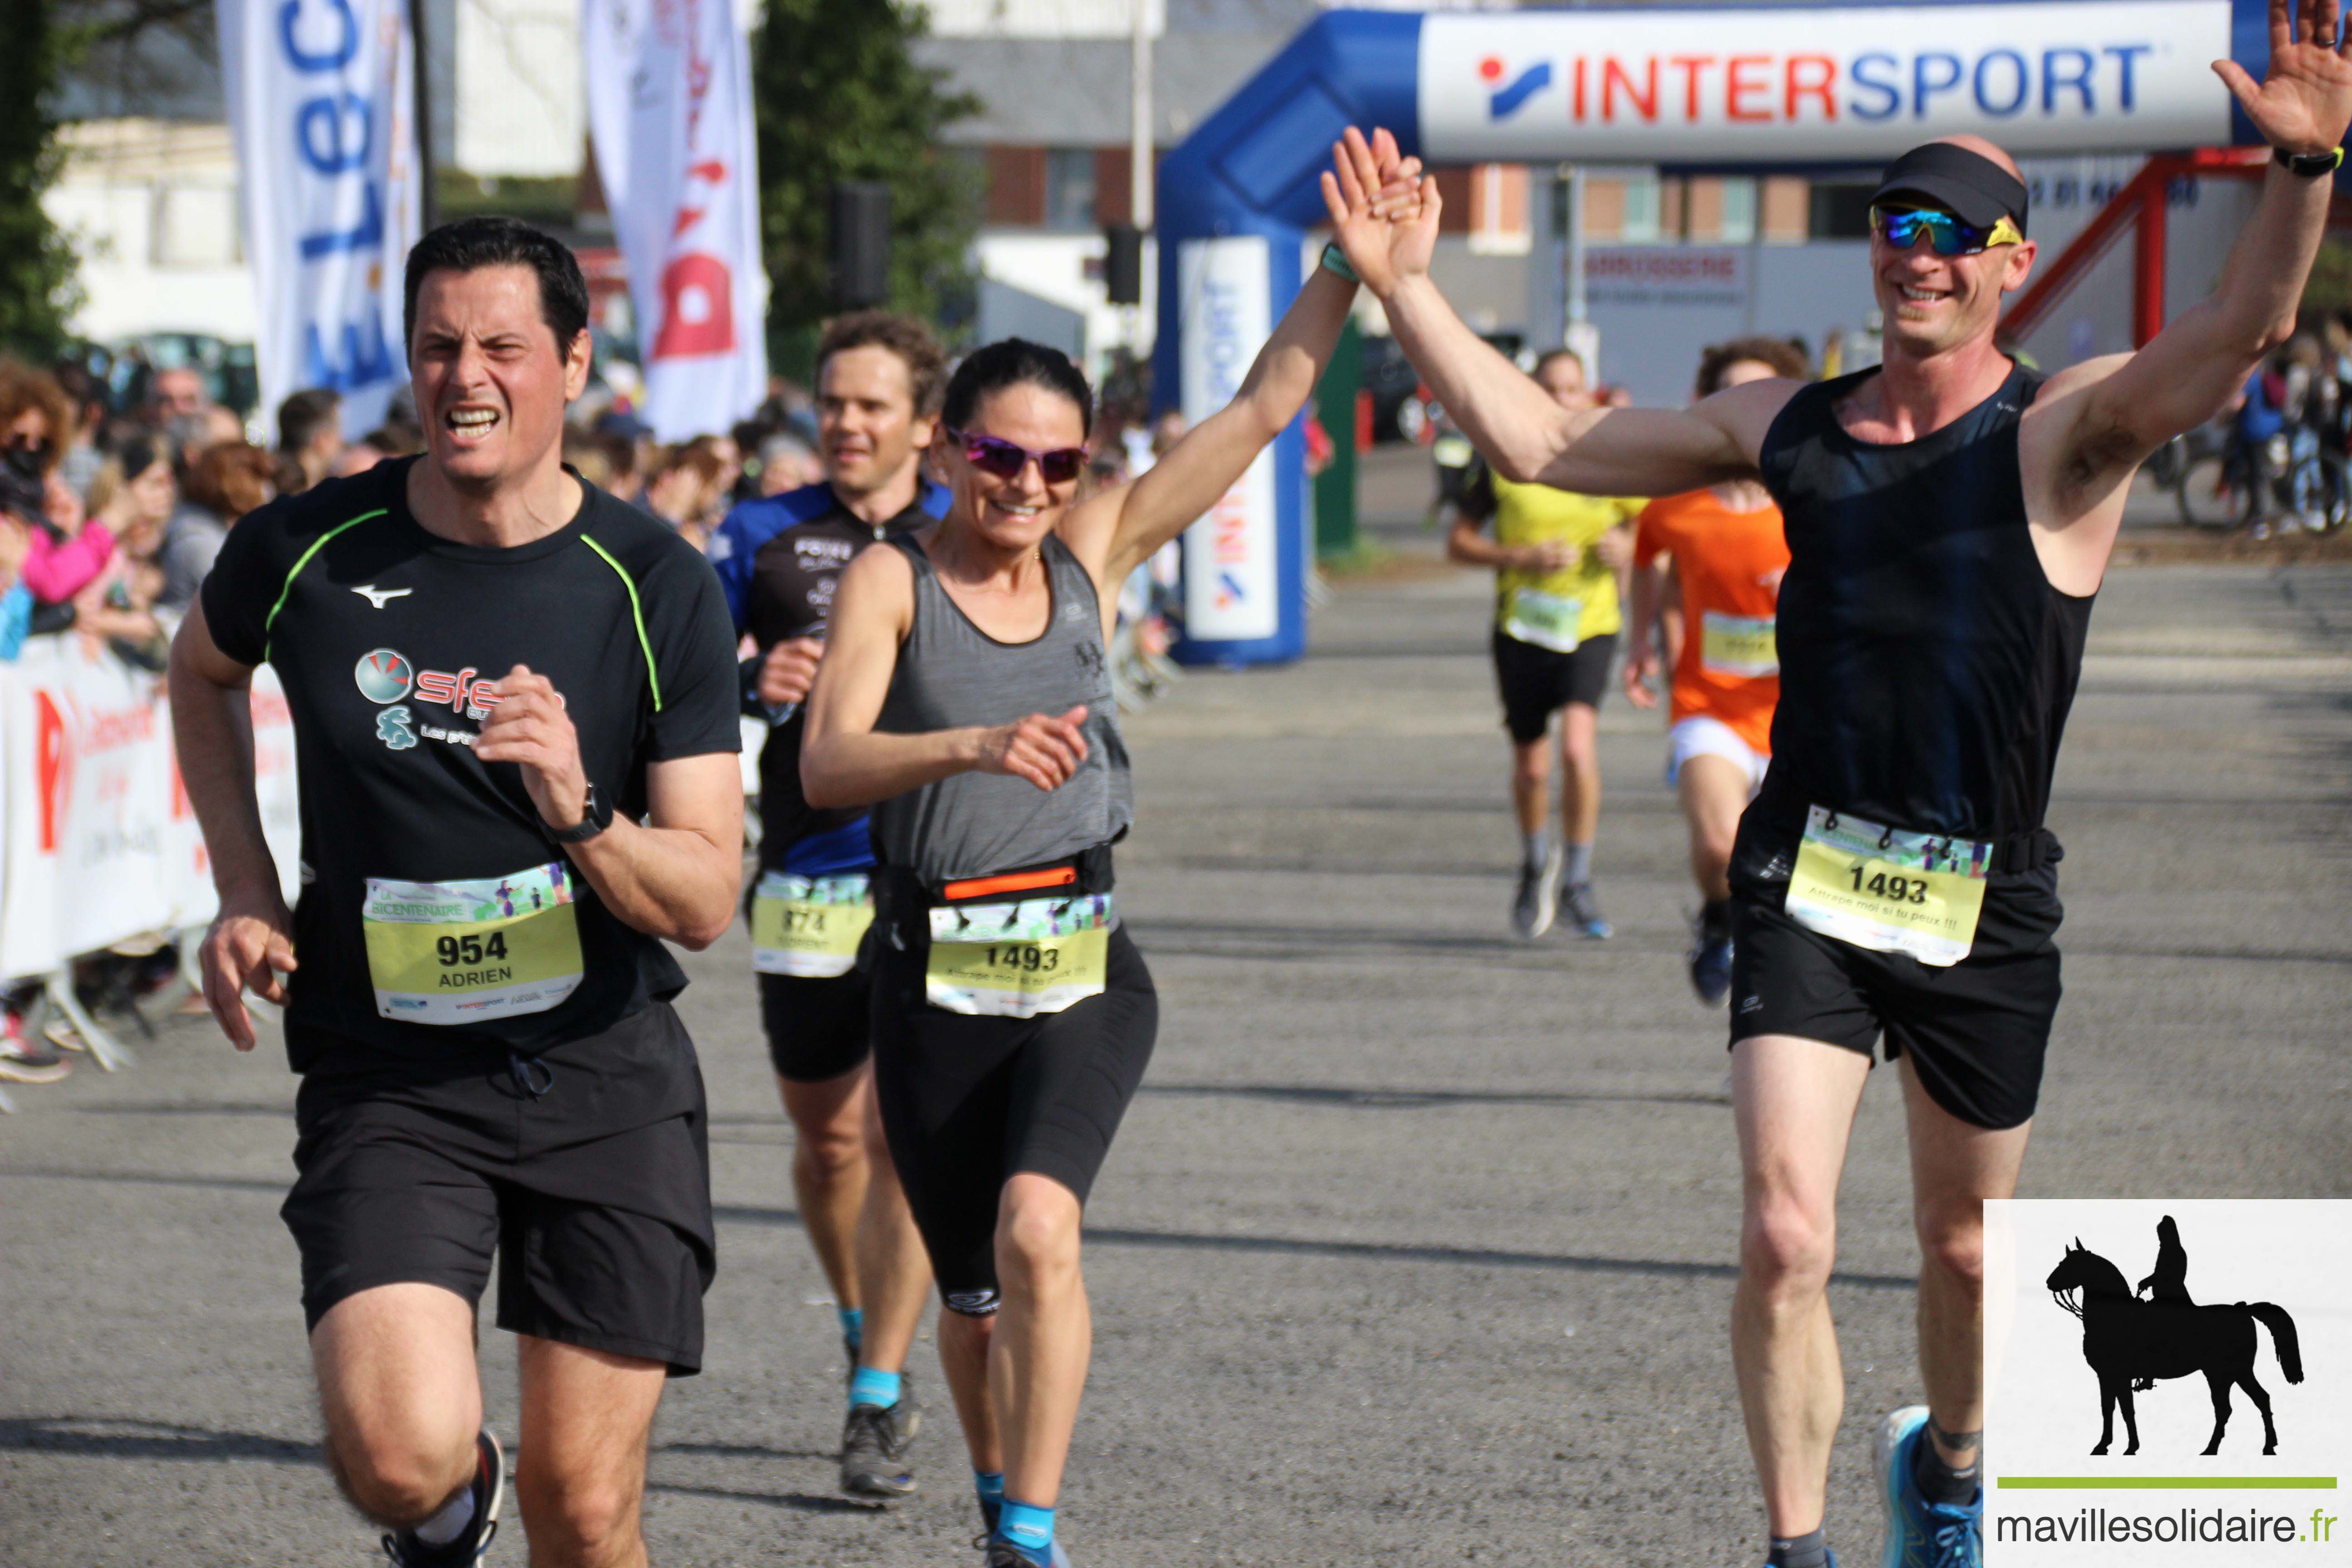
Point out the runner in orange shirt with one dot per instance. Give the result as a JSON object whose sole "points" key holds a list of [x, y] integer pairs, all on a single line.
{"points": [[1728, 550]]}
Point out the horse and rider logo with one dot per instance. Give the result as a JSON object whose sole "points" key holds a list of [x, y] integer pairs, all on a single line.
{"points": [[2133, 1343]]}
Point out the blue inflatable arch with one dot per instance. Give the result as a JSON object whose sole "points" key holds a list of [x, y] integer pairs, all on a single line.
{"points": [[1747, 87]]}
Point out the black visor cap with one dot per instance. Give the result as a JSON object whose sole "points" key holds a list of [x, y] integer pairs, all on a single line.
{"points": [[1969, 185]]}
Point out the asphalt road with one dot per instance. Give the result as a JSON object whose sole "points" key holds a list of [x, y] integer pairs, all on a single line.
{"points": [[1417, 1245]]}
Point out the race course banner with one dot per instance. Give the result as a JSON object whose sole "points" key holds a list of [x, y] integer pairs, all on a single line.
{"points": [[321, 99], [669, 101], [1665, 85], [98, 842]]}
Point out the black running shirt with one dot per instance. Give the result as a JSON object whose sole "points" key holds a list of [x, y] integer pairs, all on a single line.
{"points": [[382, 634], [1927, 663]]}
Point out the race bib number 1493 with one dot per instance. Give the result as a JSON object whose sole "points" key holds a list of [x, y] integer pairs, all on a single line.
{"points": [[1890, 891]]}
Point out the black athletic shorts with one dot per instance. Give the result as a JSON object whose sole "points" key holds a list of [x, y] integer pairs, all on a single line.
{"points": [[968, 1103], [1976, 1031], [1536, 683], [594, 1194], [817, 1029]]}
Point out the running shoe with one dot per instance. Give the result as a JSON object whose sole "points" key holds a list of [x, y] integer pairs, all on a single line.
{"points": [[1710, 963], [1584, 910], [489, 1489], [1919, 1534], [874, 1446], [24, 1060], [1004, 1555], [1833, 1562], [1532, 907]]}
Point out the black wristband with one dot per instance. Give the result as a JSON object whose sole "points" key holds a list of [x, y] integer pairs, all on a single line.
{"points": [[595, 816], [2310, 165]]}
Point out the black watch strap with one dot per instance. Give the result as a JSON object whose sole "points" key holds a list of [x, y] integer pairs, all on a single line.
{"points": [[2310, 165], [595, 817]]}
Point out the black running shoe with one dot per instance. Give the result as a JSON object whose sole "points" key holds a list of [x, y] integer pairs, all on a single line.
{"points": [[874, 1446], [489, 1491], [1004, 1555], [1531, 906], [1711, 964]]}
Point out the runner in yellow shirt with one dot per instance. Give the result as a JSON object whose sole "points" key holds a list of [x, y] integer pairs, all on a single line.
{"points": [[1560, 560]]}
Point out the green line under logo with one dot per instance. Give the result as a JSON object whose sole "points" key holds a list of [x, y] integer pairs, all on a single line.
{"points": [[2166, 1483]]}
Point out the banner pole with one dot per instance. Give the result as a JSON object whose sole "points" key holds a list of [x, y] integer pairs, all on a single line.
{"points": [[427, 214]]}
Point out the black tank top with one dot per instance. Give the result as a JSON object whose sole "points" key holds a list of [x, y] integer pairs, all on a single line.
{"points": [[1926, 664]]}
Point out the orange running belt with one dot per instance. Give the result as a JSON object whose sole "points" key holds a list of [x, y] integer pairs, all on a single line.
{"points": [[1012, 882]]}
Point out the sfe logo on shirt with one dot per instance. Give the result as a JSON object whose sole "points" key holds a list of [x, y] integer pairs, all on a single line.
{"points": [[384, 675]]}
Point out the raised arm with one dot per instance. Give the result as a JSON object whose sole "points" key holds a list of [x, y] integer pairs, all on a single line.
{"points": [[1520, 430], [846, 762], [2118, 410]]}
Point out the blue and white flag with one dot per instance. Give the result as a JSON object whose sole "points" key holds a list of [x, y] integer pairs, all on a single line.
{"points": [[321, 99]]}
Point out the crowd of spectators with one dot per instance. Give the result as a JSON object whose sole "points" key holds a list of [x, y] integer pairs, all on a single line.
{"points": [[112, 511]]}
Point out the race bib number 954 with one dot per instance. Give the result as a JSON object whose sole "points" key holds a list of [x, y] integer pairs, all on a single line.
{"points": [[466, 953]]}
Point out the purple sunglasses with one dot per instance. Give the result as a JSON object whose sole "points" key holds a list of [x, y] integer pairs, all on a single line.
{"points": [[1005, 459]]}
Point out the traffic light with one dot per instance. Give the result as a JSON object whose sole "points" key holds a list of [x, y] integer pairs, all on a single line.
{"points": [[861, 244], [1123, 263]]}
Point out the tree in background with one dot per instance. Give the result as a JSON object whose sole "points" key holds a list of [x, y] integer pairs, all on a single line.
{"points": [[36, 263], [838, 96]]}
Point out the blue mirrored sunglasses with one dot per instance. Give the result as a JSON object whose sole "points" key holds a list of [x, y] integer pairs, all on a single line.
{"points": [[1946, 234]]}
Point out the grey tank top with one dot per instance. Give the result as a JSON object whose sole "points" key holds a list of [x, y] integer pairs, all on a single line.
{"points": [[951, 674]]}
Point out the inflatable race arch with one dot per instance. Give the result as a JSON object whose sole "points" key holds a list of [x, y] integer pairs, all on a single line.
{"points": [[1741, 88]]}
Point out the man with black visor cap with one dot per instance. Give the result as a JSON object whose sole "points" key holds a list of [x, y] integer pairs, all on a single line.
{"points": [[1949, 515]]}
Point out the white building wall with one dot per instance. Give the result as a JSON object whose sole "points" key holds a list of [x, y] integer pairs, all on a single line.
{"points": [[152, 207], [1053, 267], [519, 92]]}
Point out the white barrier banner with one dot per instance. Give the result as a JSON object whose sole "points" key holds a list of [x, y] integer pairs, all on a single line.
{"points": [[1760, 84], [321, 97], [669, 102], [1230, 555], [98, 842]]}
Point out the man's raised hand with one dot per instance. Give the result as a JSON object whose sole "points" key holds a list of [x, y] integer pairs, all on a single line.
{"points": [[1383, 211], [530, 727], [2305, 101]]}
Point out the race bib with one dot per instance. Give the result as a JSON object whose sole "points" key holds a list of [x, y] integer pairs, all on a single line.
{"points": [[1018, 960], [809, 926], [466, 952], [1738, 645], [1547, 620], [1918, 893]]}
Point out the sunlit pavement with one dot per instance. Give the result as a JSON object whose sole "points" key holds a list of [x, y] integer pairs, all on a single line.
{"points": [[1417, 1245]]}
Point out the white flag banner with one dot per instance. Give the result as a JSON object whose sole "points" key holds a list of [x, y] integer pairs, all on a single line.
{"points": [[669, 104], [321, 99]]}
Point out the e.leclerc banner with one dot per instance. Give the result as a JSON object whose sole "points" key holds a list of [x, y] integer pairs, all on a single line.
{"points": [[669, 101], [321, 100], [1713, 85]]}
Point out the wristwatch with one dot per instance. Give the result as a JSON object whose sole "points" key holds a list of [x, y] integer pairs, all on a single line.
{"points": [[2310, 165], [595, 816], [1336, 260]]}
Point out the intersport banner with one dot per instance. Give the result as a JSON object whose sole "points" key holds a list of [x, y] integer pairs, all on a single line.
{"points": [[321, 99], [1231, 556], [97, 841], [669, 102], [1750, 84]]}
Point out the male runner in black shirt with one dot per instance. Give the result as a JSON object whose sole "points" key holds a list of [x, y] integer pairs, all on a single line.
{"points": [[515, 715], [879, 377], [1949, 517]]}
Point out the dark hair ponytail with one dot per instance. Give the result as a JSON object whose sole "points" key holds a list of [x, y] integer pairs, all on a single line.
{"points": [[1016, 362]]}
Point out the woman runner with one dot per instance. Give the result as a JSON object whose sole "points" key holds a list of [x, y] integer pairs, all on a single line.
{"points": [[965, 696]]}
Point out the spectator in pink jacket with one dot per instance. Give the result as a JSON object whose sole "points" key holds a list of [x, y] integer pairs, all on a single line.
{"points": [[63, 553]]}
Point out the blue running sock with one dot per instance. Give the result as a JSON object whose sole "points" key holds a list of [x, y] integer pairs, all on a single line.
{"points": [[879, 1389], [1811, 1550], [1029, 1528], [989, 1486], [853, 1325]]}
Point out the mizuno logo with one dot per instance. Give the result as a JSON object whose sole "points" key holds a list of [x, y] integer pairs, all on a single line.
{"points": [[376, 596]]}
